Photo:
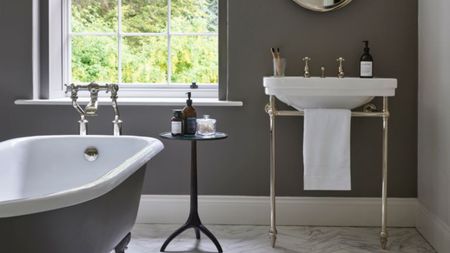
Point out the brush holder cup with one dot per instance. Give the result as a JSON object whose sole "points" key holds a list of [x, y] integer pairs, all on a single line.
{"points": [[279, 66]]}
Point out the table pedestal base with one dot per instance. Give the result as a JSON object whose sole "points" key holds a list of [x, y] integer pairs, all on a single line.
{"points": [[195, 223], [193, 220]]}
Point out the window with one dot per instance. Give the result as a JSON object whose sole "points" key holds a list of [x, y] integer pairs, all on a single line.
{"points": [[142, 44], [152, 48]]}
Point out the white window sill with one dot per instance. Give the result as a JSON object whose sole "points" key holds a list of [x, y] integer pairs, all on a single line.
{"points": [[134, 102]]}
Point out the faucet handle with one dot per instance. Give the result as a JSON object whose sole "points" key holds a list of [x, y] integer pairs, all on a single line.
{"points": [[70, 88], [113, 88], [307, 74], [73, 89], [341, 61]]}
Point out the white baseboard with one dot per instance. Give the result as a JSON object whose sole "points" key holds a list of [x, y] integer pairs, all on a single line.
{"points": [[246, 210], [433, 229]]}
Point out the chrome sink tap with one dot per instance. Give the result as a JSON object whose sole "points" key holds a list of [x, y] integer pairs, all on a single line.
{"points": [[307, 74], [340, 61]]}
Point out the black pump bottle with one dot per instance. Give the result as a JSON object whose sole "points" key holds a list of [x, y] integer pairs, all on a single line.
{"points": [[366, 62]]}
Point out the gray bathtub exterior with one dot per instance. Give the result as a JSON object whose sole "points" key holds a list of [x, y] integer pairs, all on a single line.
{"points": [[95, 226]]}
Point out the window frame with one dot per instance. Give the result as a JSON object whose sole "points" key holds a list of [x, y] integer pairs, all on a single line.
{"points": [[57, 42]]}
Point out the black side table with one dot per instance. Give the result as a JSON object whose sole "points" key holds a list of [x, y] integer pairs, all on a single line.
{"points": [[193, 220]]}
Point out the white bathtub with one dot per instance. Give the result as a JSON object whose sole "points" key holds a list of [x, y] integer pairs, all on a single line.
{"points": [[46, 174]]}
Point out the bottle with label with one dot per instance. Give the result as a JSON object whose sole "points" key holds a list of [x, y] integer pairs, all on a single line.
{"points": [[189, 117], [366, 67], [177, 123]]}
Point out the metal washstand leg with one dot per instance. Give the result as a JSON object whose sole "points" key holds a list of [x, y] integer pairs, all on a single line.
{"points": [[384, 234], [273, 230]]}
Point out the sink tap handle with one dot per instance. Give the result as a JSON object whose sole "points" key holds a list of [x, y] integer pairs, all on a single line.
{"points": [[340, 61], [307, 74]]}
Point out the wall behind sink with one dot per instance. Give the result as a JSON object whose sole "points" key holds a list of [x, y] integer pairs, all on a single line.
{"points": [[239, 165]]}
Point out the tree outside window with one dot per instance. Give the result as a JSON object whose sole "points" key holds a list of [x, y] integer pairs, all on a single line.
{"points": [[144, 41]]}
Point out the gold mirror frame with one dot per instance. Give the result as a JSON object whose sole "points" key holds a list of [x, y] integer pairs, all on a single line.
{"points": [[314, 6]]}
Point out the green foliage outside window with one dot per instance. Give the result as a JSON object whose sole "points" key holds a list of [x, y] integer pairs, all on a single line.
{"points": [[144, 58]]}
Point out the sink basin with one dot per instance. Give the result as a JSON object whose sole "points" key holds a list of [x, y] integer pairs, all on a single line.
{"points": [[331, 92]]}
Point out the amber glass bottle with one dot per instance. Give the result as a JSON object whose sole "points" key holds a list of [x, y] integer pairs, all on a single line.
{"points": [[189, 117]]}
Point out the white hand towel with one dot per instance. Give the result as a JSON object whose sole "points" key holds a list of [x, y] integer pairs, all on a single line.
{"points": [[326, 149]]}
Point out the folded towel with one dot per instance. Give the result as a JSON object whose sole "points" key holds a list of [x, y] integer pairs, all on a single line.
{"points": [[326, 149]]}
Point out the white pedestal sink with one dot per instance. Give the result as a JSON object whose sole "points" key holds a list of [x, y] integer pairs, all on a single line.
{"points": [[330, 92]]}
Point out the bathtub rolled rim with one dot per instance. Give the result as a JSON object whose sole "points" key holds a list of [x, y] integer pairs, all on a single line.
{"points": [[85, 192]]}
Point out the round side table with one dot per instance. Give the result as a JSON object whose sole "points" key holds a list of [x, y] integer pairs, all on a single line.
{"points": [[193, 220]]}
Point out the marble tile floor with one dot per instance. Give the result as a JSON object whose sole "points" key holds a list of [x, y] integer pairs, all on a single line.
{"points": [[148, 238]]}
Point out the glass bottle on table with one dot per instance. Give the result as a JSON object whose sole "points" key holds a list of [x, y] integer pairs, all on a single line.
{"points": [[189, 117]]}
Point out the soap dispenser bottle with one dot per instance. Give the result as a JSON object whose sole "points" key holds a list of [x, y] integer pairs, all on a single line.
{"points": [[189, 117], [366, 62]]}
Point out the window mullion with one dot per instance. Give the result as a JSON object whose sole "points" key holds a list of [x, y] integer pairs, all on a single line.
{"points": [[169, 42], [119, 40]]}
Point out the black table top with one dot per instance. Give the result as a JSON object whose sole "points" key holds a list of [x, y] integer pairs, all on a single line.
{"points": [[216, 136]]}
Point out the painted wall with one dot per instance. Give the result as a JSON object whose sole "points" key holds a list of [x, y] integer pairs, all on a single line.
{"points": [[239, 165], [434, 122]]}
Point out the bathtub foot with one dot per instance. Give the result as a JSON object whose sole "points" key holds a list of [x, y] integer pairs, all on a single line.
{"points": [[123, 245]]}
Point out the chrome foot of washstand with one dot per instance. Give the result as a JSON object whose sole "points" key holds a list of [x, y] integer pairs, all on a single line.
{"points": [[273, 238], [383, 240]]}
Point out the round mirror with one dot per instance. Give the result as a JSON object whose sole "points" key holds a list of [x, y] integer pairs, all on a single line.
{"points": [[322, 5]]}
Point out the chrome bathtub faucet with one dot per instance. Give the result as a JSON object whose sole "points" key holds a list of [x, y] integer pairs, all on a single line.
{"points": [[92, 107]]}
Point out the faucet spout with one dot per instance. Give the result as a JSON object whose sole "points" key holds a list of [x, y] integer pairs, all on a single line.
{"points": [[92, 106]]}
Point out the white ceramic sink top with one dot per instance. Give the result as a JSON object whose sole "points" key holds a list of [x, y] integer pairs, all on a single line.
{"points": [[331, 92]]}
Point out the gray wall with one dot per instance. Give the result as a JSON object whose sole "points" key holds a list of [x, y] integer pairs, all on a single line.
{"points": [[434, 123], [239, 165]]}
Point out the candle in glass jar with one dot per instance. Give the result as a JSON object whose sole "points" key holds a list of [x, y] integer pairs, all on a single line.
{"points": [[206, 126]]}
